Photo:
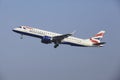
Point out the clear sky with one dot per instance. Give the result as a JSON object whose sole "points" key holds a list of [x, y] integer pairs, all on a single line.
{"points": [[29, 59]]}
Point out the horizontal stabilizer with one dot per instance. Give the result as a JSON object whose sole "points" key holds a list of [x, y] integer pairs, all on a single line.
{"points": [[101, 43]]}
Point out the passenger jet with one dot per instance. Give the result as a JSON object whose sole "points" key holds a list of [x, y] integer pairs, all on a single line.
{"points": [[48, 37]]}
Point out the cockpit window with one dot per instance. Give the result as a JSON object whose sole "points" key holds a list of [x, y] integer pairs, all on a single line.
{"points": [[20, 27], [25, 27]]}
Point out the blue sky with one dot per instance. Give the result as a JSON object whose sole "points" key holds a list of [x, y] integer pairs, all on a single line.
{"points": [[29, 59]]}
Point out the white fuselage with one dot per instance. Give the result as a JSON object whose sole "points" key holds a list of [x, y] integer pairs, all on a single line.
{"points": [[73, 41]]}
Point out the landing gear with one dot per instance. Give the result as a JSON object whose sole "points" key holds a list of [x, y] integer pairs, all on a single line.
{"points": [[56, 45], [21, 36]]}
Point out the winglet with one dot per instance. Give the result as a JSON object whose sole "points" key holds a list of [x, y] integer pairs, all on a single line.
{"points": [[73, 32]]}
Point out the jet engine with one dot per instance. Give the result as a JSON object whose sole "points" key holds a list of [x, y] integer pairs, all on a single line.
{"points": [[46, 40]]}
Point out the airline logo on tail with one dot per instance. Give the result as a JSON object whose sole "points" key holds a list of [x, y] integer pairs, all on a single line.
{"points": [[96, 40], [100, 34]]}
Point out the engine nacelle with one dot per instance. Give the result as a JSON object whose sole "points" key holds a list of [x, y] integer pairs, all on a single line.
{"points": [[46, 40]]}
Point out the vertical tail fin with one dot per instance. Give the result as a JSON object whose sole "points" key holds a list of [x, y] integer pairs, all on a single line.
{"points": [[96, 39], [99, 34]]}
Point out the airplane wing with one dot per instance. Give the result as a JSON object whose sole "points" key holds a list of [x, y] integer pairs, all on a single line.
{"points": [[57, 39], [61, 37]]}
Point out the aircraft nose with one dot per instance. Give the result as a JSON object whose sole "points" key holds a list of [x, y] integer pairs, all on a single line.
{"points": [[14, 30]]}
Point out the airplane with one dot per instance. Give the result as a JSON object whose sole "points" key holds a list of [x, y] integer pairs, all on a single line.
{"points": [[48, 37]]}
